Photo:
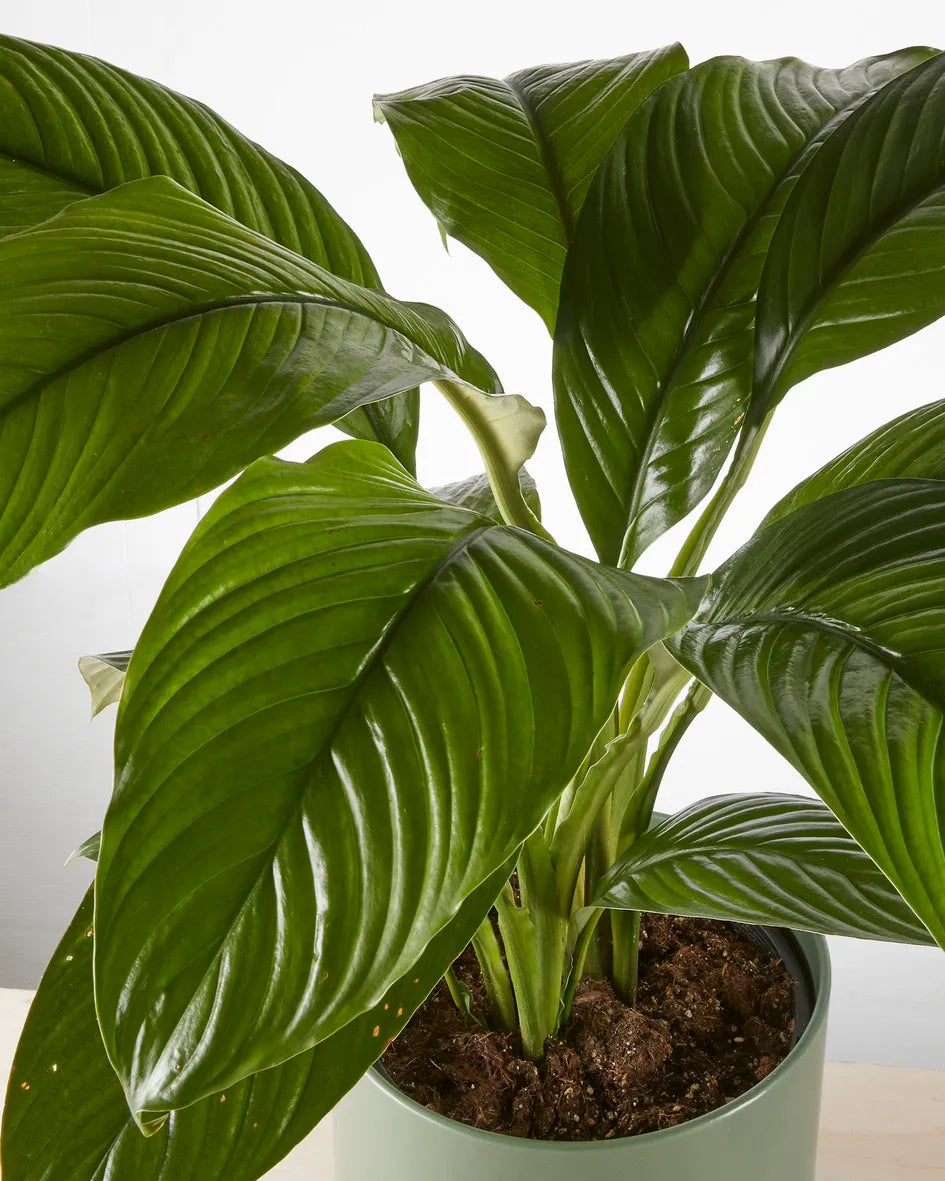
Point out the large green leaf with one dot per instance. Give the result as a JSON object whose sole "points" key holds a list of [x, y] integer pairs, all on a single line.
{"points": [[858, 258], [505, 165], [655, 339], [105, 674], [150, 347], [351, 703], [71, 1122], [826, 632], [909, 447], [72, 126], [775, 859]]}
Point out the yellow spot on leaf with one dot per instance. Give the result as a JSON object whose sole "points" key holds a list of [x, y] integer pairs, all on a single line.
{"points": [[377, 1031], [24, 1086]]}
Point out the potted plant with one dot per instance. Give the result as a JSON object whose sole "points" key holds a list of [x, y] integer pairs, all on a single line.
{"points": [[360, 705]]}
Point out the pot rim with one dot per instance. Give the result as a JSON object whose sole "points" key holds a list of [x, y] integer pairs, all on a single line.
{"points": [[815, 955]]}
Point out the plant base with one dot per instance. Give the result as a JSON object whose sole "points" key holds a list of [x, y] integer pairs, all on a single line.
{"points": [[768, 1134]]}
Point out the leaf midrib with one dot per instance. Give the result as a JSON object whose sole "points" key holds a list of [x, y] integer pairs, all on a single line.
{"points": [[37, 388], [732, 848], [745, 234], [847, 632], [304, 773], [834, 280], [548, 157]]}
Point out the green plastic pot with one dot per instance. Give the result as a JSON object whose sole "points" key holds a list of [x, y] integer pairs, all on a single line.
{"points": [[767, 1134]]}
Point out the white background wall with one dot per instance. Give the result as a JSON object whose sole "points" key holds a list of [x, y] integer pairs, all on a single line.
{"points": [[299, 78]]}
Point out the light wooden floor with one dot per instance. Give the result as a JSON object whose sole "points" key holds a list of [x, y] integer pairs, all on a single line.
{"points": [[879, 1123]]}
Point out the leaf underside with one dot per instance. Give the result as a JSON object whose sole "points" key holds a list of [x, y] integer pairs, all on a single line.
{"points": [[475, 493], [104, 676]]}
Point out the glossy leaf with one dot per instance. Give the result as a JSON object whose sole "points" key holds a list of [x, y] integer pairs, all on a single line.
{"points": [[72, 126], [504, 166], [351, 703], [166, 375], [475, 493], [858, 259], [769, 859], [655, 340], [909, 447], [73, 1124], [104, 676], [825, 632]]}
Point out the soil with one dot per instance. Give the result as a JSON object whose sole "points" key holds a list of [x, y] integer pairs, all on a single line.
{"points": [[714, 1014]]}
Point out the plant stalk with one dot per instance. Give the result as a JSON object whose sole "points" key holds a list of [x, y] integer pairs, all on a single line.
{"points": [[579, 960], [625, 925], [695, 546], [639, 811], [539, 890], [461, 994], [495, 976], [625, 928], [518, 935], [570, 842], [598, 859]]}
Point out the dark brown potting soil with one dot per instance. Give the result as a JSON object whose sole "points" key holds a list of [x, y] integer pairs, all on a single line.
{"points": [[714, 1014]]}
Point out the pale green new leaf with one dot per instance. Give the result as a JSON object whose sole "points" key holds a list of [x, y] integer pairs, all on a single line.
{"points": [[858, 258], [72, 126], [826, 633], [88, 850], [72, 1123], [350, 705], [504, 166], [769, 859], [654, 345], [150, 347], [104, 676]]}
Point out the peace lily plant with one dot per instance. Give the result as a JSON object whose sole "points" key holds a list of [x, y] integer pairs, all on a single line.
{"points": [[359, 704]]}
